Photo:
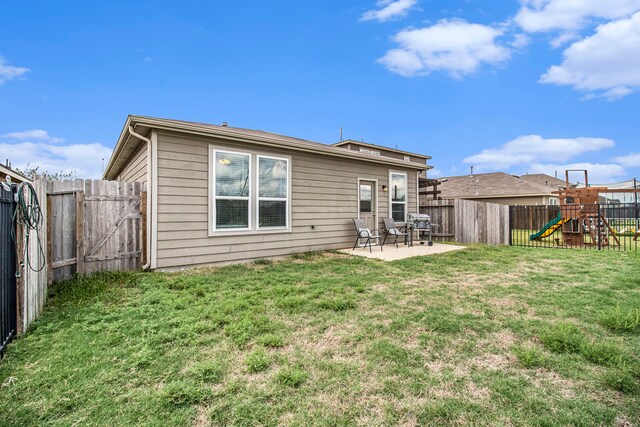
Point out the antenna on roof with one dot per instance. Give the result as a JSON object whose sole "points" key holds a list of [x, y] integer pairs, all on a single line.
{"points": [[340, 133]]}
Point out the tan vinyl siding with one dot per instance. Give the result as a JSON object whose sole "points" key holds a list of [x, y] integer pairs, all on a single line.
{"points": [[323, 195], [136, 169]]}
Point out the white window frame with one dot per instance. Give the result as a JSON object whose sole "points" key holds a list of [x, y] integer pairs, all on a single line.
{"points": [[215, 197], [406, 190], [273, 199]]}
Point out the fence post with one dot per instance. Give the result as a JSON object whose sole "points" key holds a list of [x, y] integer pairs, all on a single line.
{"points": [[49, 234], [79, 233], [510, 226]]}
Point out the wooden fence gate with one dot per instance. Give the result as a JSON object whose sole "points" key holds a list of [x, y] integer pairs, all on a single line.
{"points": [[94, 226]]}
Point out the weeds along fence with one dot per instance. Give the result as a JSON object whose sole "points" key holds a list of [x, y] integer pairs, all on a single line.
{"points": [[598, 226], [84, 226], [468, 221]]}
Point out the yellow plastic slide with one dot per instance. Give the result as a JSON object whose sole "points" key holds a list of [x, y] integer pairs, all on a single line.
{"points": [[549, 228]]}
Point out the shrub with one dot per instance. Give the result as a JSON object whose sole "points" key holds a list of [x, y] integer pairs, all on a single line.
{"points": [[563, 338], [619, 319], [183, 393], [529, 356], [292, 377], [258, 361]]}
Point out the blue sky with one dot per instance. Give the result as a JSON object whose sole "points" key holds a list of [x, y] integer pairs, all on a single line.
{"points": [[518, 86]]}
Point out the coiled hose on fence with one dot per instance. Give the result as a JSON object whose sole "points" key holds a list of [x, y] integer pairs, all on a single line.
{"points": [[29, 215]]}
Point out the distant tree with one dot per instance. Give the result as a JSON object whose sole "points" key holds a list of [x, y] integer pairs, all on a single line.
{"points": [[31, 173]]}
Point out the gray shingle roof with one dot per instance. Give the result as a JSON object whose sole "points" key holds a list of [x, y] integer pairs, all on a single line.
{"points": [[544, 179], [495, 184]]}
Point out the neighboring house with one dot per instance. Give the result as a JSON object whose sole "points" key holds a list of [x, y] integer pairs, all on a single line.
{"points": [[219, 194], [16, 177], [502, 188], [545, 180]]}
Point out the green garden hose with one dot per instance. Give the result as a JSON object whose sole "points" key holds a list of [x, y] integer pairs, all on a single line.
{"points": [[29, 215]]}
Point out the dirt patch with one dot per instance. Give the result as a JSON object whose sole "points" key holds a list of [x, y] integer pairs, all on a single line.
{"points": [[476, 393], [202, 417], [492, 362], [622, 421], [545, 378]]}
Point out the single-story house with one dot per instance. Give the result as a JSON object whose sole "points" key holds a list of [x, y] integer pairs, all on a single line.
{"points": [[502, 188], [221, 194]]}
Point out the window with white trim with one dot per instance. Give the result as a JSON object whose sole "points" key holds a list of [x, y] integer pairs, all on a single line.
{"points": [[273, 192], [398, 196], [232, 194]]}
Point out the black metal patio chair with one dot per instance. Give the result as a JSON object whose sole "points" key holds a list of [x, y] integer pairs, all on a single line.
{"points": [[390, 229], [362, 232]]}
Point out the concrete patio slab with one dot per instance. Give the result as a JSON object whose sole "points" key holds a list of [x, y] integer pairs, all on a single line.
{"points": [[391, 253]]}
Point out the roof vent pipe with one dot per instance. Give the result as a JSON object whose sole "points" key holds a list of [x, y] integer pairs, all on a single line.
{"points": [[225, 124]]}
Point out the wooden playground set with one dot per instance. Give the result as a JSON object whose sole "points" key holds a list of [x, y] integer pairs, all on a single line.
{"points": [[580, 216]]}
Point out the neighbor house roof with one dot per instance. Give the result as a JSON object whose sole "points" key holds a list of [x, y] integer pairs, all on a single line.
{"points": [[544, 180], [379, 147], [143, 125], [490, 185]]}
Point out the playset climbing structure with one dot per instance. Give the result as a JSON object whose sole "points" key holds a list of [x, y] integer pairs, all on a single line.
{"points": [[580, 219]]}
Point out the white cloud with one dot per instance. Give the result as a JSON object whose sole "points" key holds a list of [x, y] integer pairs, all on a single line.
{"points": [[563, 39], [454, 46], [630, 160], [39, 134], [607, 61], [530, 149], [598, 172], [9, 72], [520, 41], [570, 15], [84, 160], [389, 10]]}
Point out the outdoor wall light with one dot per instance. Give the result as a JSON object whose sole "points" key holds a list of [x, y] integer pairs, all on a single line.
{"points": [[384, 188]]}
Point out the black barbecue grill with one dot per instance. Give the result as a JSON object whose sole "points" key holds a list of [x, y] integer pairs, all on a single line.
{"points": [[420, 223]]}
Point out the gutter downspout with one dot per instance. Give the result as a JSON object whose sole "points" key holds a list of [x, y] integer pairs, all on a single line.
{"points": [[149, 198]]}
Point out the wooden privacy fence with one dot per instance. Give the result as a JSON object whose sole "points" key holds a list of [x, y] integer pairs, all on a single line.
{"points": [[94, 226], [467, 221], [87, 226]]}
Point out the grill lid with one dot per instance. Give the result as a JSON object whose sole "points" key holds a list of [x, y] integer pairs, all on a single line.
{"points": [[419, 217]]}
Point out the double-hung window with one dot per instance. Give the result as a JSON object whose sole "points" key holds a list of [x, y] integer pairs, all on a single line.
{"points": [[398, 196], [273, 192], [250, 192], [232, 194]]}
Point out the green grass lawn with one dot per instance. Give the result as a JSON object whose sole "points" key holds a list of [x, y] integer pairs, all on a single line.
{"points": [[484, 336]]}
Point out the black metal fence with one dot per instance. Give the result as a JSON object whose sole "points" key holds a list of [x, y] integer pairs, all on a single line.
{"points": [[7, 270], [598, 226]]}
